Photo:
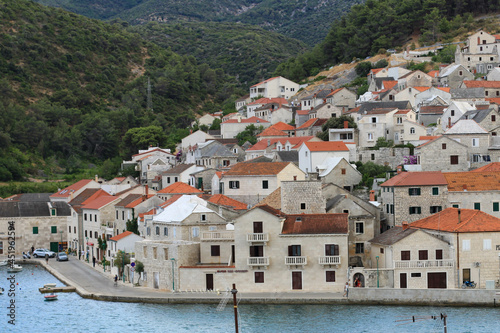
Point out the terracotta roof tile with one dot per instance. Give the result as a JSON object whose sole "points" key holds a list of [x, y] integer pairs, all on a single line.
{"points": [[251, 120], [459, 220], [433, 73], [445, 89], [423, 178], [389, 84], [179, 188], [271, 131], [273, 199], [294, 140], [428, 137], [308, 123], [283, 127], [138, 201], [120, 236], [494, 100], [220, 199], [266, 100], [100, 202], [473, 181], [256, 169], [482, 84], [315, 224], [494, 166], [326, 146], [270, 210], [67, 191]]}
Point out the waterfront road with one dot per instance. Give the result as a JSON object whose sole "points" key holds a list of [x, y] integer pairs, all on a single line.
{"points": [[93, 283]]}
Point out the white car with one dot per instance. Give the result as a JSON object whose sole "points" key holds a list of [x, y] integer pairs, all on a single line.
{"points": [[40, 253]]}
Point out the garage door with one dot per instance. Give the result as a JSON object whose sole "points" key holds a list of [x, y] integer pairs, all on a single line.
{"points": [[436, 280]]}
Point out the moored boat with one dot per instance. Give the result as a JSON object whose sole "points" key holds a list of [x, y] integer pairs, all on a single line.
{"points": [[14, 268], [51, 297], [4, 262]]}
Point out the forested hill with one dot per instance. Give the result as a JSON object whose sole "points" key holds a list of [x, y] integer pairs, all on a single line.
{"points": [[72, 89], [382, 24], [305, 20]]}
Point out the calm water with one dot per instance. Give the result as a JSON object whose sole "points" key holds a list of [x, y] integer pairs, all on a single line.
{"points": [[70, 313]]}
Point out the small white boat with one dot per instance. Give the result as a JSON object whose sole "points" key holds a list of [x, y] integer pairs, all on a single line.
{"points": [[51, 297], [14, 268], [4, 262], [1, 290]]}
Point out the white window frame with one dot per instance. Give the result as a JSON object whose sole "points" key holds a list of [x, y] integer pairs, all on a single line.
{"points": [[465, 244], [486, 244]]}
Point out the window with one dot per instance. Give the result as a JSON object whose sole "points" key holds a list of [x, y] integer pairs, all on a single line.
{"points": [[330, 276], [53, 229], [69, 227], [203, 217], [85, 233], [165, 231], [195, 232], [35, 231], [148, 232], [165, 253], [234, 184], [452, 113], [360, 247], [90, 217], [435, 191], [74, 230], [53, 212], [256, 251], [416, 275], [155, 252], [215, 250], [265, 184], [493, 117], [372, 157], [123, 215], [466, 245], [443, 146], [405, 255], [95, 234], [412, 130], [399, 120], [454, 159], [435, 209], [370, 136], [360, 227], [415, 210], [439, 254], [145, 251], [382, 250], [486, 244], [157, 231], [259, 277], [495, 207], [423, 255], [302, 205], [374, 120], [413, 191], [477, 205], [475, 142], [331, 250], [343, 171], [85, 217], [257, 228], [294, 251], [117, 215]]}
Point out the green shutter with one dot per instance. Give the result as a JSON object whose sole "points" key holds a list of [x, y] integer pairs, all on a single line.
{"points": [[35, 230], [495, 207], [477, 205], [435, 191], [53, 229]]}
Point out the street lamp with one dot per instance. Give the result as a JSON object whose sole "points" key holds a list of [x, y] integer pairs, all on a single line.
{"points": [[377, 272], [173, 274]]}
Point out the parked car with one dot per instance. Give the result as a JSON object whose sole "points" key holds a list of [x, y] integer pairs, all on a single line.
{"points": [[40, 253], [62, 256]]}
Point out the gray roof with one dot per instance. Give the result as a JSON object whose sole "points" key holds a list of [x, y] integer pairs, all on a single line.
{"points": [[392, 236], [31, 197], [467, 93], [466, 126], [216, 149], [334, 201], [476, 115], [368, 106], [288, 156], [33, 209], [380, 80], [177, 169], [318, 94], [128, 199]]}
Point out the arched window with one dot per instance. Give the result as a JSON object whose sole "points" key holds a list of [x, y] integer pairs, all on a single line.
{"points": [[412, 130], [157, 231]]}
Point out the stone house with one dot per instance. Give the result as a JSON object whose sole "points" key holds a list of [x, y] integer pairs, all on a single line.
{"points": [[374, 124], [205, 120], [261, 102], [480, 53], [271, 133], [150, 162], [274, 87], [325, 111], [414, 258], [453, 113], [377, 84], [410, 196], [178, 188], [433, 96], [70, 192], [453, 75], [311, 127], [232, 127], [313, 154], [202, 180], [442, 154], [31, 219], [192, 139], [274, 113], [470, 95], [342, 98], [385, 156], [252, 182], [315, 99], [179, 173], [269, 147], [338, 171], [485, 116], [493, 74], [409, 132], [409, 94], [491, 88], [377, 73], [241, 103], [123, 242], [431, 114], [414, 79]]}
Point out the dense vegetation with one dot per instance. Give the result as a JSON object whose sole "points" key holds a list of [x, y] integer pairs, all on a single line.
{"points": [[71, 88], [382, 24], [305, 20], [247, 52]]}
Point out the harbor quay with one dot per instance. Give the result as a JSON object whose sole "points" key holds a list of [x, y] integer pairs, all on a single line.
{"points": [[93, 283]]}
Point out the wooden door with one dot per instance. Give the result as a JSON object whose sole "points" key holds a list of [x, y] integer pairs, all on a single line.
{"points": [[210, 281], [403, 281], [296, 280], [436, 280]]}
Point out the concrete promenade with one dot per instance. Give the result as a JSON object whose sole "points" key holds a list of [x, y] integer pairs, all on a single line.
{"points": [[95, 284]]}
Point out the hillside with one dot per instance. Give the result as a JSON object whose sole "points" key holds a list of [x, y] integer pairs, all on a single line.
{"points": [[305, 20]]}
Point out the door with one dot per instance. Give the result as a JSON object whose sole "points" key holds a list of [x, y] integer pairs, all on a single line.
{"points": [[233, 259], [436, 280], [403, 281], [156, 280], [466, 274], [210, 281], [296, 280], [257, 228], [54, 246]]}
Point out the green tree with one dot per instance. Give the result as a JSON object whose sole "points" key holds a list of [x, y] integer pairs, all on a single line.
{"points": [[141, 138], [139, 268], [337, 122], [121, 260], [363, 68], [133, 226], [249, 134]]}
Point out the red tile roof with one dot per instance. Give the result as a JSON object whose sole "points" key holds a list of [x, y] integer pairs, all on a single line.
{"points": [[100, 202], [313, 122], [459, 220], [153, 150], [256, 169], [283, 127], [179, 188], [494, 100], [67, 191], [271, 131], [220, 199], [472, 181], [428, 137], [326, 146], [482, 84], [316, 224], [389, 84], [422, 178], [121, 236], [270, 210], [433, 73], [494, 166], [444, 89], [251, 120], [265, 100], [334, 92], [138, 201], [295, 140], [303, 112]]}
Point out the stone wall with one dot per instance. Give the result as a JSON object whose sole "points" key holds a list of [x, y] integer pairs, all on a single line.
{"points": [[295, 193], [384, 156]]}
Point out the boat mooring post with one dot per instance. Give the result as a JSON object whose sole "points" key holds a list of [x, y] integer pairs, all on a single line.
{"points": [[235, 305]]}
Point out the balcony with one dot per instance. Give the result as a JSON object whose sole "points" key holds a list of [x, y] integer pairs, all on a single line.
{"points": [[263, 237], [258, 261], [217, 236], [295, 260], [446, 263], [329, 260]]}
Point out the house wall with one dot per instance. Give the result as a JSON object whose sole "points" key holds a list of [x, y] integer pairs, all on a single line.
{"points": [[383, 156], [295, 193], [343, 99], [468, 198], [351, 178], [225, 257], [433, 158]]}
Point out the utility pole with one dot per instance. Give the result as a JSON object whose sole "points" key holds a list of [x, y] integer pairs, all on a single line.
{"points": [[235, 305]]}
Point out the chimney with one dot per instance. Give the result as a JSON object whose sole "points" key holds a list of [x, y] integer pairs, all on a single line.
{"points": [[146, 189], [449, 122], [399, 169], [191, 131], [324, 100], [96, 179], [464, 186], [312, 107], [372, 195], [346, 124], [405, 225]]}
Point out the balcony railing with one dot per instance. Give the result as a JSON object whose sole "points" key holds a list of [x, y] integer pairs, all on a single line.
{"points": [[295, 260], [424, 263], [258, 261], [329, 260], [264, 237], [217, 236]]}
